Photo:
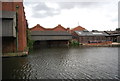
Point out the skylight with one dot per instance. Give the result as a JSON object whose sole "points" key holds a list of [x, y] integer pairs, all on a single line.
{"points": [[97, 33], [79, 32]]}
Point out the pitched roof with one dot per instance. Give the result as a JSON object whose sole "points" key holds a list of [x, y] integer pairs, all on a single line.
{"points": [[50, 33], [37, 27], [112, 32], [78, 28], [40, 28], [89, 33], [59, 27]]}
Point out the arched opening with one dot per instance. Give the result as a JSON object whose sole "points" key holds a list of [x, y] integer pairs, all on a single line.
{"points": [[50, 43]]}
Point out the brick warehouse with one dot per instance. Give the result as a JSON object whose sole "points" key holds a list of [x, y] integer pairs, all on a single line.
{"points": [[14, 27], [56, 36], [84, 36]]}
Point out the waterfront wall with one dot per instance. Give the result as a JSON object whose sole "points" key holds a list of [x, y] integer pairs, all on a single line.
{"points": [[22, 28], [8, 46]]}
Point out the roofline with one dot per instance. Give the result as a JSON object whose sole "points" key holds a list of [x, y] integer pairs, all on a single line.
{"points": [[78, 26], [51, 35], [47, 28], [59, 25]]}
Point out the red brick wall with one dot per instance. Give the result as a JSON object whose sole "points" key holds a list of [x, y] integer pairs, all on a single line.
{"points": [[8, 6], [11, 6], [85, 39], [21, 27], [8, 45]]}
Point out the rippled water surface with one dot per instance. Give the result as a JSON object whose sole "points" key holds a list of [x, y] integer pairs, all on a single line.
{"points": [[64, 63]]}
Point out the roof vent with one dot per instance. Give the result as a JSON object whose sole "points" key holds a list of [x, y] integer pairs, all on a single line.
{"points": [[85, 31], [94, 30]]}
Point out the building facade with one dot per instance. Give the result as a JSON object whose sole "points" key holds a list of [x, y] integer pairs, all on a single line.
{"points": [[50, 36], [114, 36], [89, 36], [14, 27]]}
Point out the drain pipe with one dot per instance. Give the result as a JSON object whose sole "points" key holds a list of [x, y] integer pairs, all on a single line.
{"points": [[17, 7]]}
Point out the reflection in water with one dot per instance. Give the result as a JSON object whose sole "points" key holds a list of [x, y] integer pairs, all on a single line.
{"points": [[64, 63]]}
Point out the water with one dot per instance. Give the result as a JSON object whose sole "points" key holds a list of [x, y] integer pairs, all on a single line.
{"points": [[64, 63]]}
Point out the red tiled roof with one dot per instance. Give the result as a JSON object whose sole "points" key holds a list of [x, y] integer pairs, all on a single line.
{"points": [[40, 28], [59, 28], [78, 28], [37, 28]]}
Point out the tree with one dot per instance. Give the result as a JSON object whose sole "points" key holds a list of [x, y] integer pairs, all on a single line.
{"points": [[117, 29]]}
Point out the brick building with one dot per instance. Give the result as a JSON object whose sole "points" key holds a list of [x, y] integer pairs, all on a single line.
{"points": [[82, 35], [50, 36], [14, 27], [90, 36], [114, 36]]}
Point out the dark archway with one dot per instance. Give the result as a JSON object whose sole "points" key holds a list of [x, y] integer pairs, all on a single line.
{"points": [[50, 43]]}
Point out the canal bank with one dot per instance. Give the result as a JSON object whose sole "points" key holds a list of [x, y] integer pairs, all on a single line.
{"points": [[16, 54], [25, 53], [114, 44]]}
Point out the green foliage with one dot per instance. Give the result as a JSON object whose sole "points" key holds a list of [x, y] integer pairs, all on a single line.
{"points": [[74, 43], [29, 41], [117, 29]]}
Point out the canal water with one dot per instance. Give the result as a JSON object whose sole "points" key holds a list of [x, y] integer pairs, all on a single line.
{"points": [[64, 63]]}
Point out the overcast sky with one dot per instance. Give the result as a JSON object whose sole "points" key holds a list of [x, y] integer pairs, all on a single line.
{"points": [[95, 15]]}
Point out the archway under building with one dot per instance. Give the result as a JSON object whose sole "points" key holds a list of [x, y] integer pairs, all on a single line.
{"points": [[50, 43]]}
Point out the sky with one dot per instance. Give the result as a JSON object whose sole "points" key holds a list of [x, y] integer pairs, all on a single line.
{"points": [[91, 14]]}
